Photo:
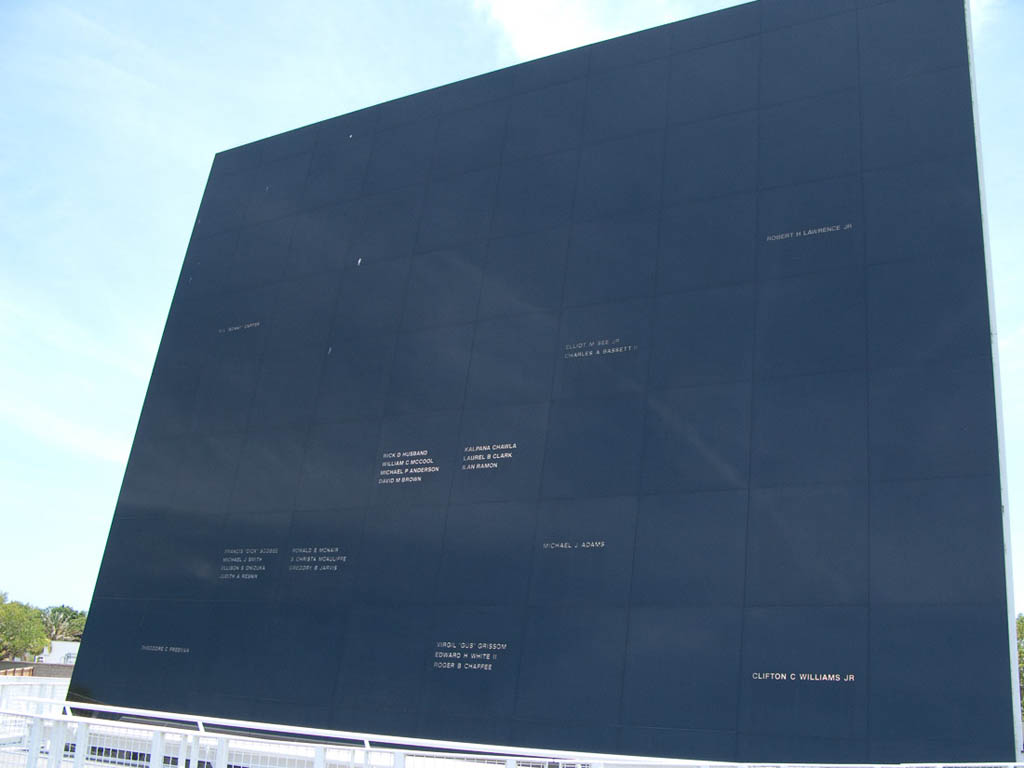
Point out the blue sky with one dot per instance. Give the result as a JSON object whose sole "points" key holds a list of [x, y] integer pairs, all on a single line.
{"points": [[112, 112]]}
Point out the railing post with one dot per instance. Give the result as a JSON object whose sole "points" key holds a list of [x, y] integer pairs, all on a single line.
{"points": [[222, 753], [56, 745], [183, 746], [156, 750], [398, 761], [510, 762], [319, 757], [35, 736], [195, 750], [81, 744]]}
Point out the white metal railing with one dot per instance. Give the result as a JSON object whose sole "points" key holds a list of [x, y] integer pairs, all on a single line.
{"points": [[65, 741], [38, 729], [16, 693]]}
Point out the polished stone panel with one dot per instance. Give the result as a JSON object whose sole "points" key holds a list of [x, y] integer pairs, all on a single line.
{"points": [[638, 399]]}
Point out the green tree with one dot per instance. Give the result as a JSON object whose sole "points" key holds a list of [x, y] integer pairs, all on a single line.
{"points": [[22, 632], [1020, 653], [63, 622]]}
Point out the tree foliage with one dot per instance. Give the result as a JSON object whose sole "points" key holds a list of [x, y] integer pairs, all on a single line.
{"points": [[22, 632], [26, 630], [62, 622], [1020, 653]]}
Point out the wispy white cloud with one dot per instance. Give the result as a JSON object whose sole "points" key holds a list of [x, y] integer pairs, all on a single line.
{"points": [[41, 324], [533, 28], [983, 13], [62, 390], [53, 429], [1011, 351]]}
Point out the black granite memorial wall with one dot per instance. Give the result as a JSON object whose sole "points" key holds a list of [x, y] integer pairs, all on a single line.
{"points": [[638, 399]]}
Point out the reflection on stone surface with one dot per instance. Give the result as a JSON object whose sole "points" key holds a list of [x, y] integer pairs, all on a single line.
{"points": [[638, 399]]}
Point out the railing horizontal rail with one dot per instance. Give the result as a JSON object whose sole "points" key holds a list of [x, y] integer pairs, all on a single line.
{"points": [[74, 734], [376, 740]]}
